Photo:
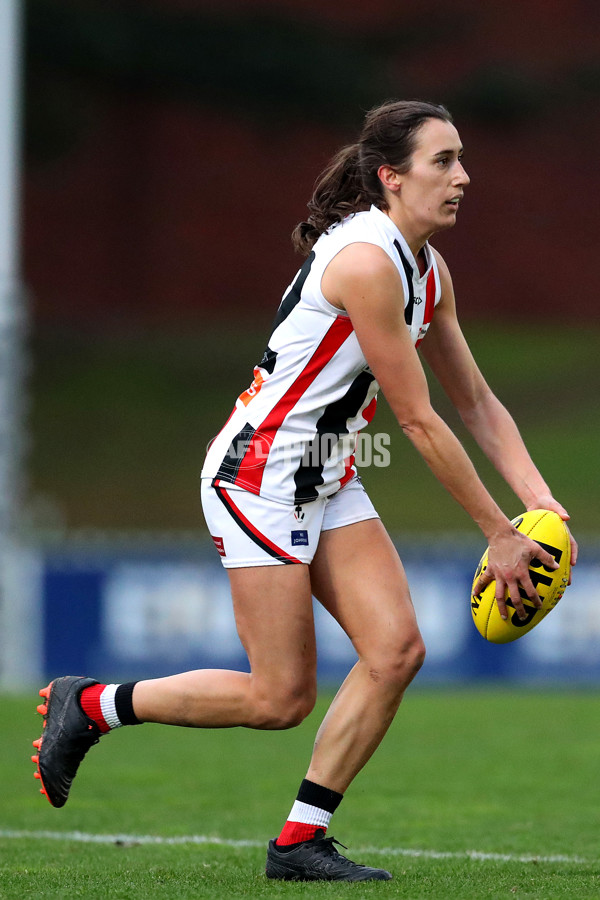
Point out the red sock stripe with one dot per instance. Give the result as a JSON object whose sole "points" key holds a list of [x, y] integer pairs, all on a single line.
{"points": [[90, 704], [294, 832]]}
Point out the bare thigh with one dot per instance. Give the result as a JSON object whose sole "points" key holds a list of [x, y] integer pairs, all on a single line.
{"points": [[274, 618], [359, 578]]}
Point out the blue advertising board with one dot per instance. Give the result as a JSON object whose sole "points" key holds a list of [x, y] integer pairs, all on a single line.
{"points": [[130, 612]]}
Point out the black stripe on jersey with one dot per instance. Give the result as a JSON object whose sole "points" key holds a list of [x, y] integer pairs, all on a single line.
{"points": [[292, 298], [331, 426], [287, 560], [269, 358], [229, 468], [408, 269]]}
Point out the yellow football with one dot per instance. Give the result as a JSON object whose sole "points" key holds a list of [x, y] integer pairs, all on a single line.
{"points": [[551, 533]]}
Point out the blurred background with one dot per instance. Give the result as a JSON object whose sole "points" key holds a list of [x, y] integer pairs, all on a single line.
{"points": [[162, 153]]}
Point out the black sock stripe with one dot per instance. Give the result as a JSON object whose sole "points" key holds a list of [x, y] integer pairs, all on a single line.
{"points": [[319, 796], [124, 704]]}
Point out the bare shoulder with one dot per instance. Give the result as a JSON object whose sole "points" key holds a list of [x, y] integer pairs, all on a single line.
{"points": [[359, 269], [361, 260]]}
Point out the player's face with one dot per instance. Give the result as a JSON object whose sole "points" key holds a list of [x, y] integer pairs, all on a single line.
{"points": [[430, 192]]}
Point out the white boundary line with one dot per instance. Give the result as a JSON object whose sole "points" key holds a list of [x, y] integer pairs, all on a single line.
{"points": [[130, 840]]}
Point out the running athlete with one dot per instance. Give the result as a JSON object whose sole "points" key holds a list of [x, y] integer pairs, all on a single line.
{"points": [[283, 503]]}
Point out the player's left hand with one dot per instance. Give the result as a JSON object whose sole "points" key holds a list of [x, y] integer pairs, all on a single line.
{"points": [[547, 501]]}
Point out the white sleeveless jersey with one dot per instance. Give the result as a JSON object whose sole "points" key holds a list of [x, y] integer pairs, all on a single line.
{"points": [[291, 436]]}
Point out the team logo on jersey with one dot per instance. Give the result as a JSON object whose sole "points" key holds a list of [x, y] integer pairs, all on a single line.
{"points": [[418, 301], [267, 363], [254, 388], [299, 513], [299, 538]]}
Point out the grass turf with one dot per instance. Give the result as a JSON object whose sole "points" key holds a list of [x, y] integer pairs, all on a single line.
{"points": [[499, 772]]}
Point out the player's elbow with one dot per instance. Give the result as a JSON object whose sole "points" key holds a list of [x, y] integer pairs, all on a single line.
{"points": [[475, 406], [417, 423]]}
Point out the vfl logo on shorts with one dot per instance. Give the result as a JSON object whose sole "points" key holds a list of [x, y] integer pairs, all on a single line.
{"points": [[218, 542], [299, 538]]}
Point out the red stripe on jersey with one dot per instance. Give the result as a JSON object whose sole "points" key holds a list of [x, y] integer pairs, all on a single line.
{"points": [[429, 298], [369, 410], [429, 304], [253, 464], [257, 536], [349, 472], [350, 463]]}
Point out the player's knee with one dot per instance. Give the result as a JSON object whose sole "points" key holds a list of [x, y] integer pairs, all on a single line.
{"points": [[399, 664], [416, 655], [287, 714], [287, 708], [410, 658]]}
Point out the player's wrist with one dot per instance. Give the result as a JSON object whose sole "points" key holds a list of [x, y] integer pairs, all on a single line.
{"points": [[536, 494], [495, 525], [544, 502]]}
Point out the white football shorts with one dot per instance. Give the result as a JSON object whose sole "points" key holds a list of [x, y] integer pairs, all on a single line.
{"points": [[249, 530]]}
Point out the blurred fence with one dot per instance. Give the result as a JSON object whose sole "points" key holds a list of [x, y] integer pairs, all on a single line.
{"points": [[120, 611]]}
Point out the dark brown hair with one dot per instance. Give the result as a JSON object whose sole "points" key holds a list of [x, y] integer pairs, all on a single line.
{"points": [[350, 182]]}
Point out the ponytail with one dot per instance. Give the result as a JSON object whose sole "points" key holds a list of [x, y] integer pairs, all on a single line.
{"points": [[338, 192], [350, 182]]}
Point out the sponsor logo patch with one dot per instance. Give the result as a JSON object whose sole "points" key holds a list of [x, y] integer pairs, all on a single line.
{"points": [[299, 538], [218, 542]]}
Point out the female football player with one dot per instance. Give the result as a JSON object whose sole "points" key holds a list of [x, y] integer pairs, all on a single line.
{"points": [[283, 503]]}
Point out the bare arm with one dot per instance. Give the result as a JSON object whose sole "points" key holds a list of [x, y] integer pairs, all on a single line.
{"points": [[490, 423], [363, 280]]}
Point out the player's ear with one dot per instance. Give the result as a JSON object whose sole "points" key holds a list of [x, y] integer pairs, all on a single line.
{"points": [[389, 178]]}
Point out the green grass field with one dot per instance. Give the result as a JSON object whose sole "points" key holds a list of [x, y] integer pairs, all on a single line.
{"points": [[510, 775]]}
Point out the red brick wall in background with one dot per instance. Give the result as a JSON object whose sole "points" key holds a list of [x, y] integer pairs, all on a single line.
{"points": [[166, 211]]}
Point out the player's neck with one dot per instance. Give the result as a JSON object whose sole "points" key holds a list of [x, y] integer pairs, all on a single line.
{"points": [[413, 236]]}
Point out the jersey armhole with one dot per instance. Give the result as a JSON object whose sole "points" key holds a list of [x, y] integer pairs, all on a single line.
{"points": [[320, 296]]}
